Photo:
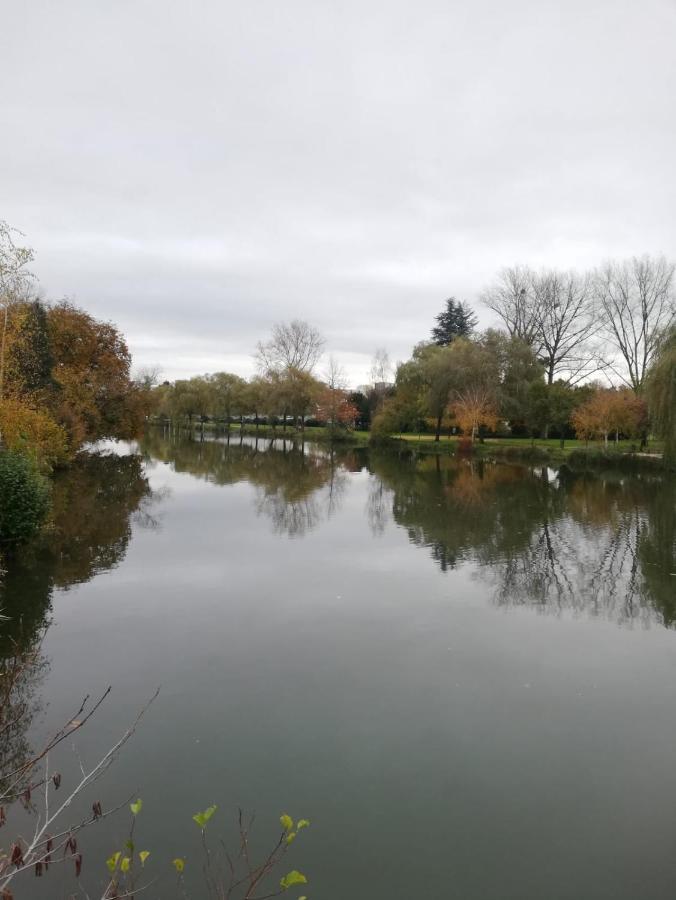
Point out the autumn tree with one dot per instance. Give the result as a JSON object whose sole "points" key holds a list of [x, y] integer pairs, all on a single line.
{"points": [[34, 433], [335, 408], [474, 407], [29, 358], [609, 411], [455, 320], [91, 372], [15, 280]]}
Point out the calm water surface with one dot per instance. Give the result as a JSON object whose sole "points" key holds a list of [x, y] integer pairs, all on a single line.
{"points": [[463, 674]]}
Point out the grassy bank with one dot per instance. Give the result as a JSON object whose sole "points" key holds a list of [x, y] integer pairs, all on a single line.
{"points": [[575, 453]]}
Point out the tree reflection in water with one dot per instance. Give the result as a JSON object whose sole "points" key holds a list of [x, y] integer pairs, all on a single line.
{"points": [[599, 544], [93, 504], [297, 486]]}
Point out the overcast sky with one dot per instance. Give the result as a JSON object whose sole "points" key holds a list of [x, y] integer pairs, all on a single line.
{"points": [[195, 171]]}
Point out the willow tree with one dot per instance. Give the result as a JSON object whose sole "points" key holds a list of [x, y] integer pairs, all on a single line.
{"points": [[661, 394]]}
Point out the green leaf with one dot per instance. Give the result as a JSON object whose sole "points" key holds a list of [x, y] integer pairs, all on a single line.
{"points": [[143, 856], [136, 807], [203, 817], [178, 864], [302, 823], [294, 877], [129, 846], [112, 861], [290, 837], [125, 864], [287, 822]]}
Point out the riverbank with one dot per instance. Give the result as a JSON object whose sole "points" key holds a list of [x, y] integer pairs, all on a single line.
{"points": [[620, 454], [317, 433]]}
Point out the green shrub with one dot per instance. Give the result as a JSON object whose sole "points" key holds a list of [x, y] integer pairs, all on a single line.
{"points": [[24, 497]]}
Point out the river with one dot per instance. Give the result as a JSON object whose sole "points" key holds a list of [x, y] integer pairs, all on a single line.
{"points": [[463, 673]]}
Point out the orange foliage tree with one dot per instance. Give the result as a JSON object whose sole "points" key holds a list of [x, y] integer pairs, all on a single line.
{"points": [[610, 411], [473, 407], [95, 396], [335, 408]]}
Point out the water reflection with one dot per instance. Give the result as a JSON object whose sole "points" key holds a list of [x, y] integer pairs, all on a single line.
{"points": [[93, 503], [602, 544], [297, 486]]}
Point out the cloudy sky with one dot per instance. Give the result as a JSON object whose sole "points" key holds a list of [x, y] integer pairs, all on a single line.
{"points": [[195, 171]]}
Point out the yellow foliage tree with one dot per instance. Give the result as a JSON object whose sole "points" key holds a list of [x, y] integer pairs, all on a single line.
{"points": [[32, 432]]}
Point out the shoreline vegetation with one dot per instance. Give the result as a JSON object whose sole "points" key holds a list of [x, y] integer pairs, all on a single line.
{"points": [[503, 393]]}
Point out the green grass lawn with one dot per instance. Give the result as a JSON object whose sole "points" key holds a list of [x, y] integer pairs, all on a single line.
{"points": [[623, 446]]}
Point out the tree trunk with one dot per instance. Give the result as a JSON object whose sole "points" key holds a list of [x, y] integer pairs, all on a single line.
{"points": [[437, 433]]}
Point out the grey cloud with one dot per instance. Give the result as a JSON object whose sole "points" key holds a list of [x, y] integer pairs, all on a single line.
{"points": [[197, 171]]}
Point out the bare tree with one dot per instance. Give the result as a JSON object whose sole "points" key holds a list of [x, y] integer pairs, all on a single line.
{"points": [[637, 303], [148, 377], [293, 345], [335, 376], [511, 299], [553, 312], [563, 309], [381, 368]]}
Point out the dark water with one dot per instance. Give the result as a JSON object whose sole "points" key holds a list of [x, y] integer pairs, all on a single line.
{"points": [[463, 674]]}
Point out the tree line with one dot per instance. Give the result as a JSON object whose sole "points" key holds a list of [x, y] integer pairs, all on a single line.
{"points": [[285, 392], [590, 354]]}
